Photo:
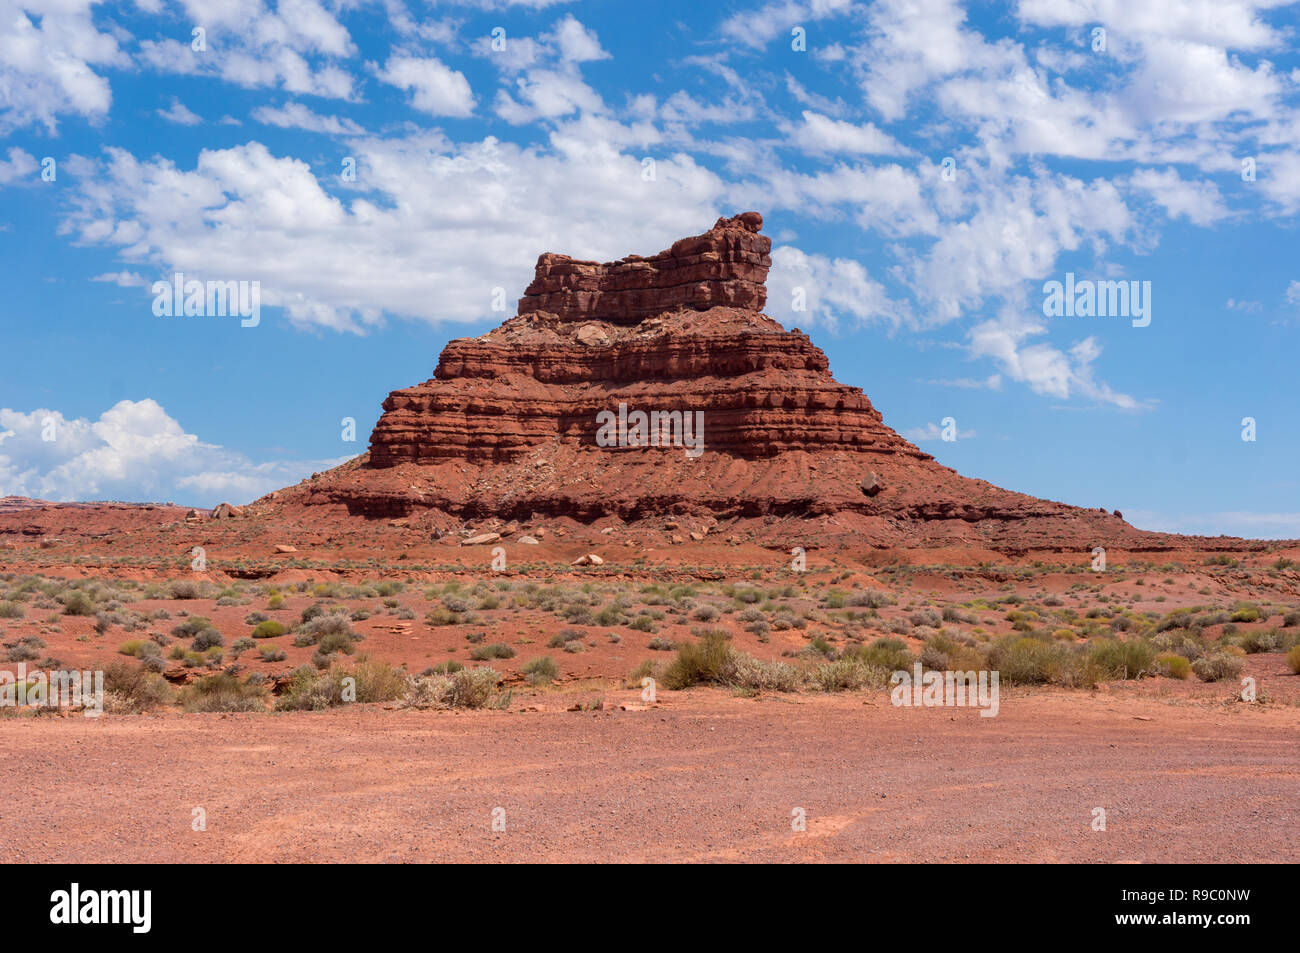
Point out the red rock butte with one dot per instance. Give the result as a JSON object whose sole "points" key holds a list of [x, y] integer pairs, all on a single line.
{"points": [[507, 427]]}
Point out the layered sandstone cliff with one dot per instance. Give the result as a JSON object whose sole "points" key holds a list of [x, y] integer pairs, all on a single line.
{"points": [[540, 380], [725, 267], [510, 425]]}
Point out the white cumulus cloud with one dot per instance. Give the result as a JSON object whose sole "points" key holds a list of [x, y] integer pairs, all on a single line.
{"points": [[806, 290], [133, 452], [435, 88]]}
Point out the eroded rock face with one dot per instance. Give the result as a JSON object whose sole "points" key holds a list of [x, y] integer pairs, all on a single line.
{"points": [[510, 426], [533, 382], [725, 267], [679, 333]]}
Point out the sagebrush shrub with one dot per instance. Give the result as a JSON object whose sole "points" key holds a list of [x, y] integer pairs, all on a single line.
{"points": [[541, 671], [1218, 667]]}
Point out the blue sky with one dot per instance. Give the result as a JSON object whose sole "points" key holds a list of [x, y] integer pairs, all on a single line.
{"points": [[1102, 138]]}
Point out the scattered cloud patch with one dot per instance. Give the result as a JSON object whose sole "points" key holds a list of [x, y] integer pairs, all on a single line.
{"points": [[134, 452], [434, 87], [811, 289], [49, 53], [297, 116], [178, 113]]}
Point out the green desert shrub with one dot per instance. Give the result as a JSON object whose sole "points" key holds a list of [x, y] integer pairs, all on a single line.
{"points": [[129, 690], [206, 639], [332, 642], [268, 629], [77, 602], [191, 627], [272, 653], [368, 681], [942, 653], [482, 653], [818, 648], [541, 671], [11, 610], [1172, 665], [563, 637], [610, 615], [1259, 640], [927, 617], [642, 623], [1022, 660], [332, 627], [647, 669], [869, 598], [25, 649], [1180, 643], [1113, 658], [885, 653], [698, 663], [223, 692]]}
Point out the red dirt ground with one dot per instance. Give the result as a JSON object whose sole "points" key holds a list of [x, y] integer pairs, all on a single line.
{"points": [[701, 777], [1184, 771]]}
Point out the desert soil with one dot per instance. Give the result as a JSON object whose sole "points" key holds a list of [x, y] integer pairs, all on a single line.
{"points": [[700, 776]]}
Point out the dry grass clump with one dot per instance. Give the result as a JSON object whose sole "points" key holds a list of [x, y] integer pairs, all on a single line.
{"points": [[541, 671], [1218, 667], [699, 663], [224, 692], [1112, 658], [884, 653], [848, 674], [749, 674], [467, 688], [131, 690], [367, 681], [711, 661]]}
